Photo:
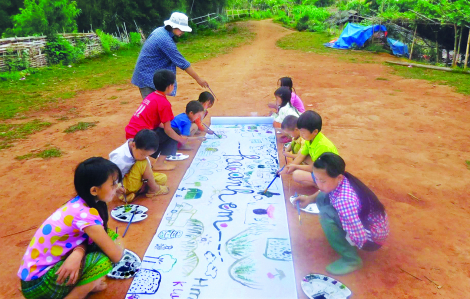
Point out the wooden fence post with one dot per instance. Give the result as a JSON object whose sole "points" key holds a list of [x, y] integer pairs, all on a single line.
{"points": [[466, 55], [413, 43], [458, 46]]}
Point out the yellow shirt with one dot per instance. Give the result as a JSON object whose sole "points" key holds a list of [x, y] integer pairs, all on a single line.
{"points": [[297, 144], [318, 146]]}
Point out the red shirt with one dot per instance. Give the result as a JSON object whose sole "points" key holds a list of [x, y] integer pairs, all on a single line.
{"points": [[153, 111]]}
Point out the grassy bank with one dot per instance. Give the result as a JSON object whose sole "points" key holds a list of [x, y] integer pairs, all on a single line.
{"points": [[54, 84]]}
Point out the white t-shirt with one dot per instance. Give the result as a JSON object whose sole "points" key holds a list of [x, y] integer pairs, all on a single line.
{"points": [[283, 112], [123, 158]]}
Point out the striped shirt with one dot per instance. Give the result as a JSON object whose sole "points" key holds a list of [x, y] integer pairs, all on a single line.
{"points": [[159, 52], [346, 202]]}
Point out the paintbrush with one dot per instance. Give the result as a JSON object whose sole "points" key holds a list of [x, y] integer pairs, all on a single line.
{"points": [[275, 177], [130, 221], [298, 207], [218, 136], [212, 92]]}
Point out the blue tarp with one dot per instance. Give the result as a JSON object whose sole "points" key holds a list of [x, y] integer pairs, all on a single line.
{"points": [[355, 34], [398, 48]]}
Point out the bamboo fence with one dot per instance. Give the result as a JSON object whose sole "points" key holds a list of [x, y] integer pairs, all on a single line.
{"points": [[34, 45]]}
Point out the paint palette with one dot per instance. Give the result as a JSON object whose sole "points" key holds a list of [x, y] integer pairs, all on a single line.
{"points": [[127, 267], [317, 286], [124, 213], [311, 208], [177, 157]]}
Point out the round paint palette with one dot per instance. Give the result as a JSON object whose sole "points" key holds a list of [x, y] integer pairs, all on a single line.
{"points": [[177, 157], [127, 267], [317, 286], [124, 213], [311, 208]]}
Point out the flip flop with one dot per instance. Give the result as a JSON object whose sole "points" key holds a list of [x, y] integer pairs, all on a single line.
{"points": [[311, 208], [177, 157]]}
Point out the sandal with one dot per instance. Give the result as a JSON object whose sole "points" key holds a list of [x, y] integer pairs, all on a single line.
{"points": [[163, 190]]}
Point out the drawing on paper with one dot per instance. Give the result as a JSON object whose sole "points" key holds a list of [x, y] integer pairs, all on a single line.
{"points": [[221, 231], [260, 212], [194, 230], [145, 282], [278, 249]]}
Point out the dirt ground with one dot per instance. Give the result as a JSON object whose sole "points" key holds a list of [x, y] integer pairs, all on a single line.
{"points": [[399, 136]]}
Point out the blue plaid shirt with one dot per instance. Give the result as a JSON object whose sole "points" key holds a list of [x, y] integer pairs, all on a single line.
{"points": [[158, 52]]}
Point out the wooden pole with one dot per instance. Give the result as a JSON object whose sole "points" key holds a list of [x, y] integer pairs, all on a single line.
{"points": [[437, 50], [413, 43], [425, 66], [460, 41], [454, 58], [466, 54]]}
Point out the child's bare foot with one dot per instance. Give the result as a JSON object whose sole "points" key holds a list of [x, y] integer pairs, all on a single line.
{"points": [[163, 167], [162, 191], [100, 287]]}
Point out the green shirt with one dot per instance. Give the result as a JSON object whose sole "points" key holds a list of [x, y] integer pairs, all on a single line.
{"points": [[319, 145]]}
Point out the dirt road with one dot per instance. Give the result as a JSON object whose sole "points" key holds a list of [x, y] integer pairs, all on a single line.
{"points": [[399, 136]]}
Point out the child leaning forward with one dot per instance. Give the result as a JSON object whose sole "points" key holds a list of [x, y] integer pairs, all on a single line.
{"points": [[132, 159], [351, 215], [73, 250], [183, 123]]}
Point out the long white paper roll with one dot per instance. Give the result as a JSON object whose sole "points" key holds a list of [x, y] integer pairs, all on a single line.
{"points": [[239, 120]]}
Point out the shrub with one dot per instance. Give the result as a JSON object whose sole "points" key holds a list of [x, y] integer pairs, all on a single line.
{"points": [[261, 14], [60, 50], [108, 42], [135, 39], [16, 61]]}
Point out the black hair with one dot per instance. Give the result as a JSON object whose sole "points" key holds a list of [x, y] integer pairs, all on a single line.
{"points": [[194, 107], [285, 95], [162, 79], [287, 82], [146, 140], [92, 172], [168, 28], [310, 120], [289, 122], [206, 96], [334, 166]]}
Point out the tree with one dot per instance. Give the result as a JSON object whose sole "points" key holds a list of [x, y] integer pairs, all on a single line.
{"points": [[45, 17]]}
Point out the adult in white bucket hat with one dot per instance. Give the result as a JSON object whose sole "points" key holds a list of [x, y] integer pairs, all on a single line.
{"points": [[160, 52]]}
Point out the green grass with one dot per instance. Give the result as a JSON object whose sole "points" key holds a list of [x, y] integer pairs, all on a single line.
{"points": [[11, 132], [468, 164], [460, 81], [381, 79], [81, 126], [45, 154], [53, 84]]}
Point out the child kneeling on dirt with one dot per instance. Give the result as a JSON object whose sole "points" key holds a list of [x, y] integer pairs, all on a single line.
{"points": [[207, 100], [132, 159], [351, 215], [154, 111], [283, 106], [309, 125], [183, 122], [73, 250], [289, 127]]}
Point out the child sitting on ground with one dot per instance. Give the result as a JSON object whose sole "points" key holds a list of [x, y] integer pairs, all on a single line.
{"points": [[351, 215], [73, 250], [284, 106], [183, 122], [156, 110], [132, 159], [207, 100], [309, 125], [295, 100], [289, 127]]}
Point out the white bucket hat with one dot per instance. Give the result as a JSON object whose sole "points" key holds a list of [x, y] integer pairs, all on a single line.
{"points": [[178, 20]]}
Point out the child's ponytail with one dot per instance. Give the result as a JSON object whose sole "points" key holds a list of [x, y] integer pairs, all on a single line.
{"points": [[92, 172]]}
